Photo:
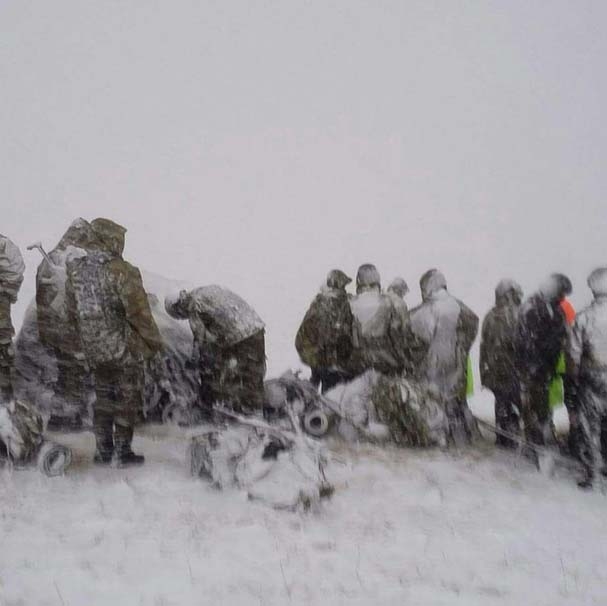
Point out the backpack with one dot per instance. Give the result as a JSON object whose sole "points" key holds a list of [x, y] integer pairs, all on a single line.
{"points": [[97, 308], [324, 338]]}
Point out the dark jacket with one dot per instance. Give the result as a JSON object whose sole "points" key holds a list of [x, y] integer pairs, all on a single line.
{"points": [[498, 339]]}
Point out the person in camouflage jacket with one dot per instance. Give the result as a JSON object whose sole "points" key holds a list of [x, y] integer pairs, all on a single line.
{"points": [[110, 307], [497, 363], [12, 268], [229, 346], [325, 337]]}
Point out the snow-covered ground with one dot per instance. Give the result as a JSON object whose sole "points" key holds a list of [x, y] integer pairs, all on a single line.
{"points": [[415, 527]]}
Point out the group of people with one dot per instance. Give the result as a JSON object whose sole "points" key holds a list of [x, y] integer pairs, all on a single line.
{"points": [[525, 347], [108, 333]]}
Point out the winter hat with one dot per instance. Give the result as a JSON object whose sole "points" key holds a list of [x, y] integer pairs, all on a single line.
{"points": [[597, 281], [432, 281]]}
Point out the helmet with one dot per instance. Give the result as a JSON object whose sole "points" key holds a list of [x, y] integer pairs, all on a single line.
{"points": [[367, 277], [432, 281], [337, 279]]}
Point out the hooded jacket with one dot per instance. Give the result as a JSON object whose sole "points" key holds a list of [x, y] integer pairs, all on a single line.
{"points": [[541, 335], [498, 337], [587, 347], [445, 329], [12, 269]]}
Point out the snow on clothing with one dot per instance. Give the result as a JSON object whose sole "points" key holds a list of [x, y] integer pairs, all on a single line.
{"points": [[110, 307], [497, 358], [445, 329], [229, 345], [587, 375], [381, 332], [541, 337], [324, 340], [12, 269]]}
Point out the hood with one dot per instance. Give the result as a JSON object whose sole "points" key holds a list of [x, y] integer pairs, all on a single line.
{"points": [[597, 281], [367, 278], [337, 279], [399, 287], [432, 281], [508, 290], [110, 234], [555, 287]]}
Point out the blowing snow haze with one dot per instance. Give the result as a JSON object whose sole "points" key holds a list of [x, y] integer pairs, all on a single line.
{"points": [[258, 145]]}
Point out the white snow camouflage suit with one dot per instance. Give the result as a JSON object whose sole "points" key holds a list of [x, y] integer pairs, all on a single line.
{"points": [[445, 329], [587, 374]]}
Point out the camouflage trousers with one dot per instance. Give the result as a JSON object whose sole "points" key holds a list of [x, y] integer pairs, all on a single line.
{"points": [[7, 359], [73, 384], [234, 375], [119, 400]]}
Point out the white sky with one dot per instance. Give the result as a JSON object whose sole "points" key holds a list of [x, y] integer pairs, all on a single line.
{"points": [[260, 144]]}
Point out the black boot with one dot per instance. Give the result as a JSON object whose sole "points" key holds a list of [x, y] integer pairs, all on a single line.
{"points": [[103, 426], [125, 457], [586, 482], [102, 458], [129, 458]]}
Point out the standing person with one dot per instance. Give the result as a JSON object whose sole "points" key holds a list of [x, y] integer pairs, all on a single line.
{"points": [[12, 269], [497, 365], [379, 326], [541, 337], [445, 329], [107, 300], [586, 387], [58, 334], [229, 345], [324, 340]]}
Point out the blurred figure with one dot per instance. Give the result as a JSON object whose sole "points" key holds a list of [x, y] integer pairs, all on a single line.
{"points": [[106, 299], [445, 329], [380, 327], [12, 269], [541, 337], [325, 339], [497, 363], [229, 343], [586, 387]]}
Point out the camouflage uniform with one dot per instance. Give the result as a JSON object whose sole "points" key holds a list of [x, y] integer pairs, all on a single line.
{"points": [[229, 346], [324, 340], [541, 337], [497, 364], [12, 268], [445, 329], [117, 332], [587, 378], [380, 327], [58, 334]]}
